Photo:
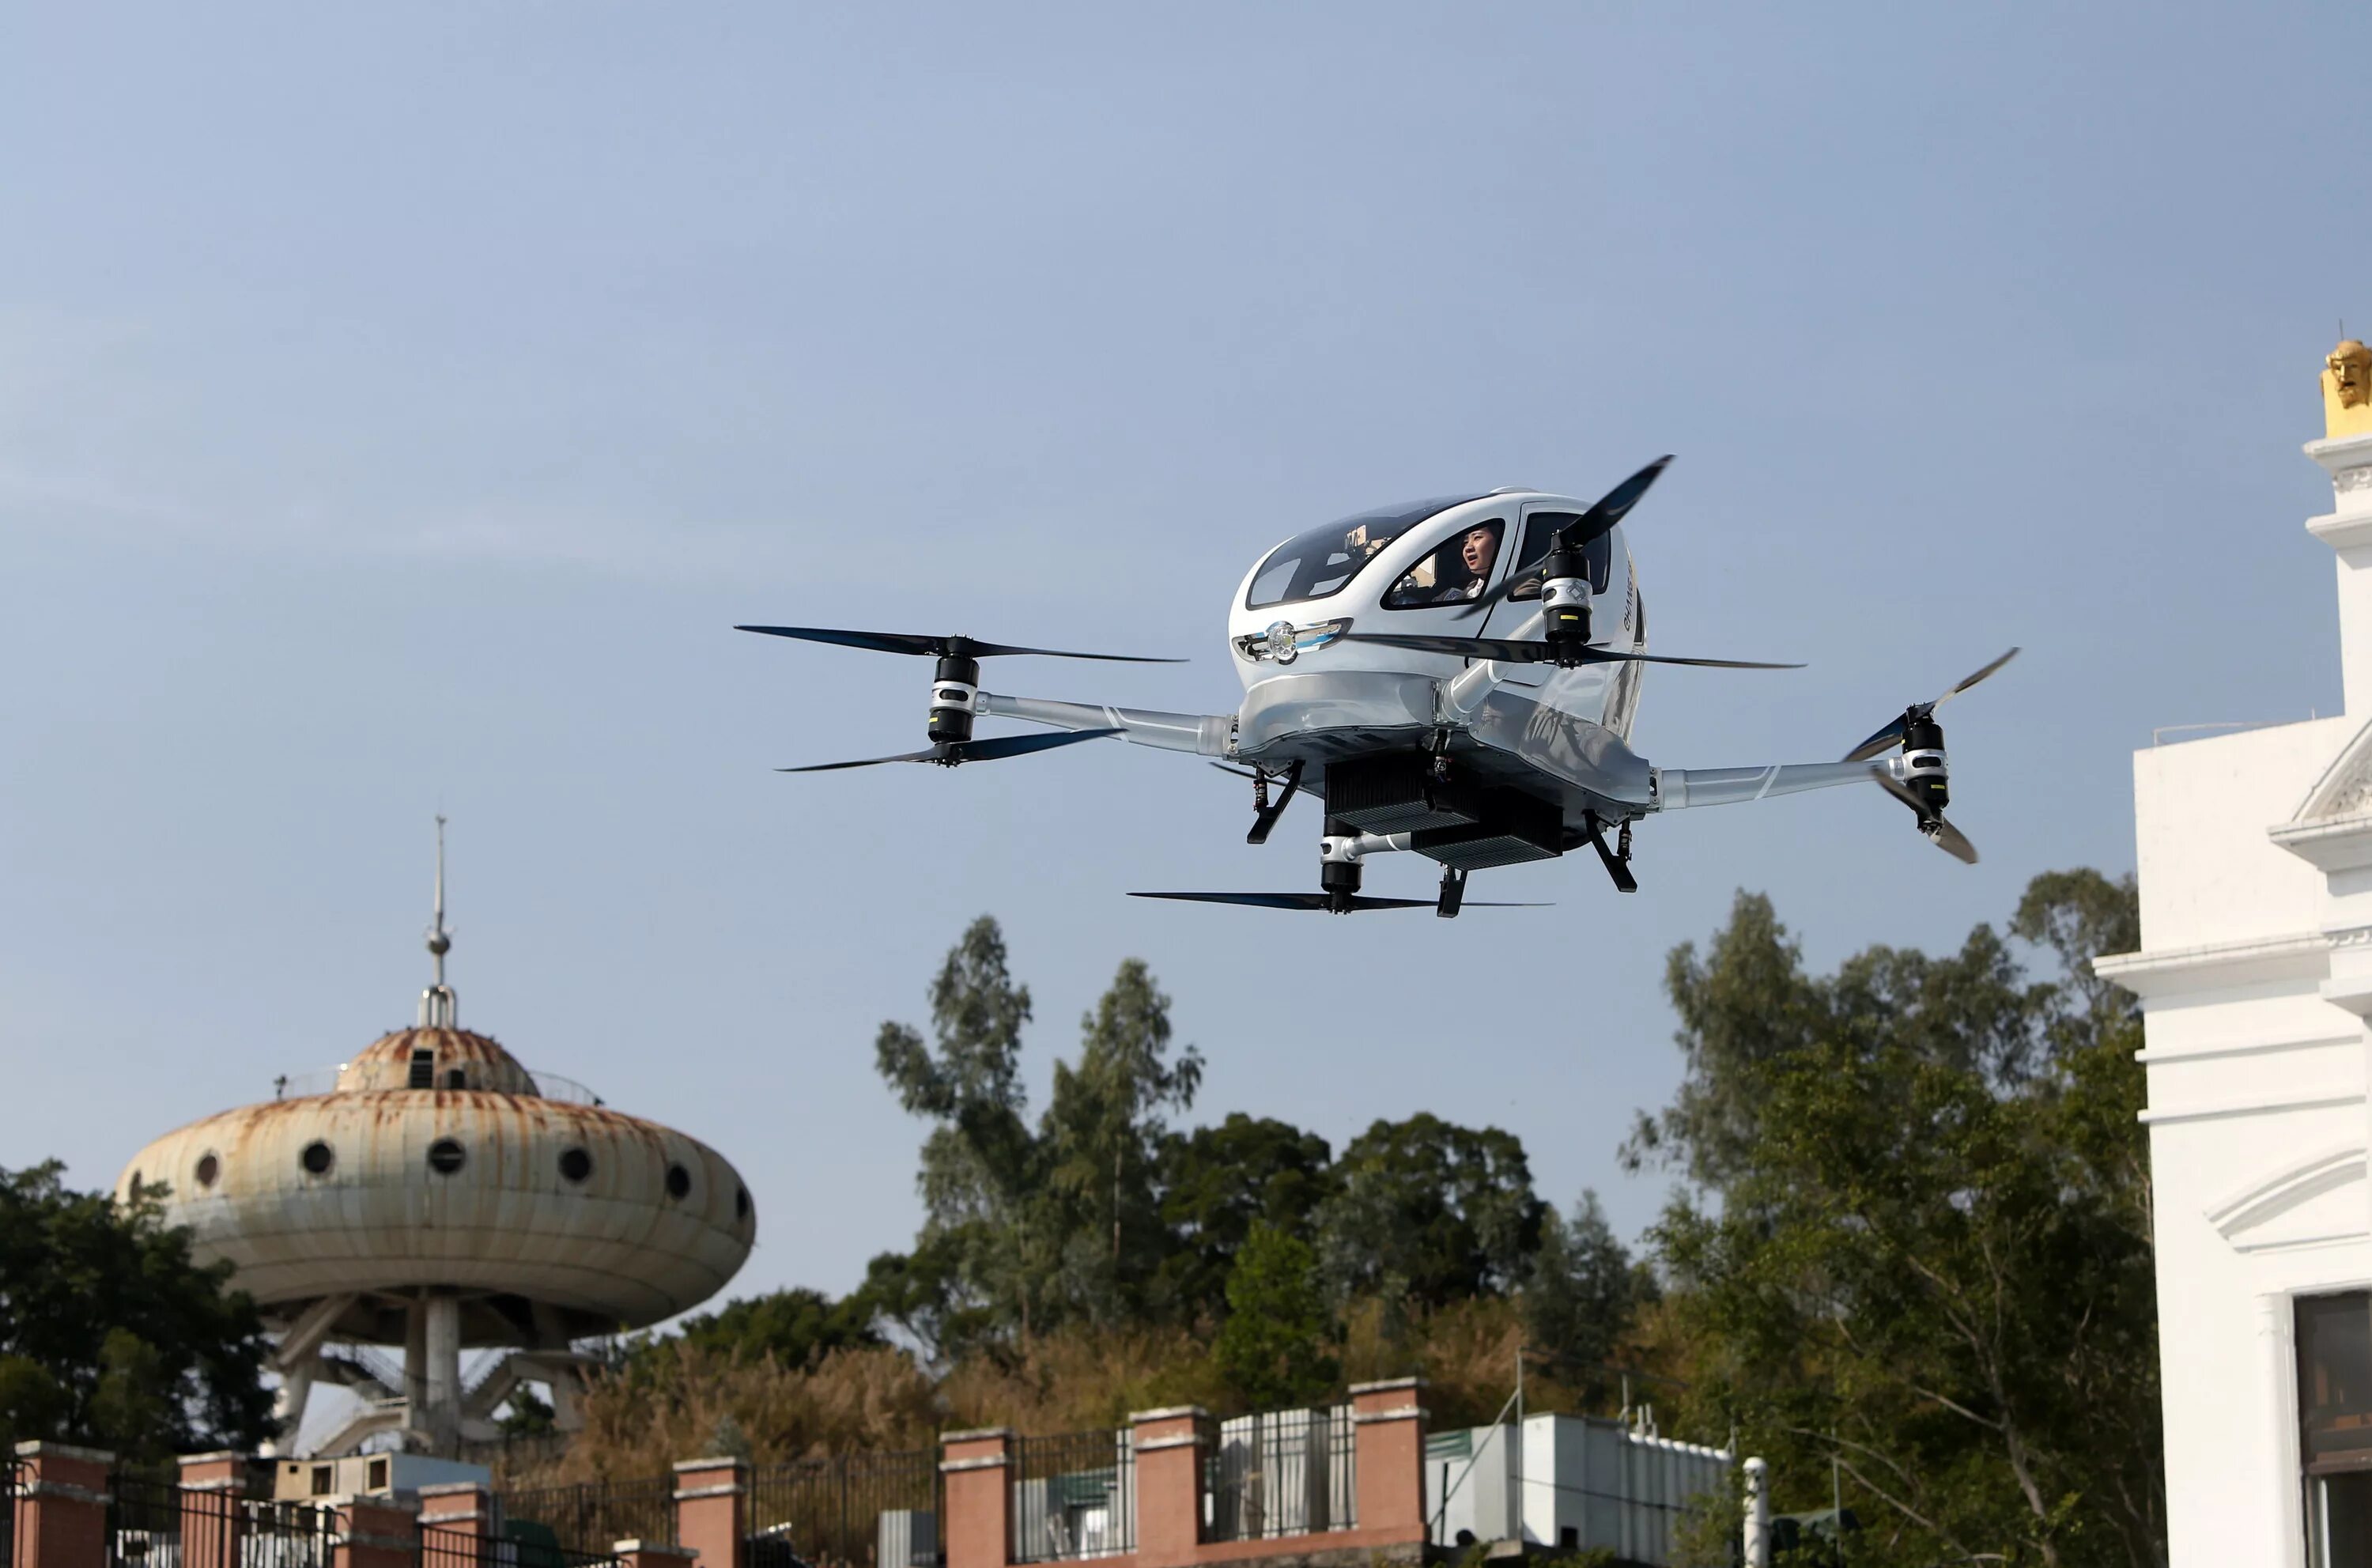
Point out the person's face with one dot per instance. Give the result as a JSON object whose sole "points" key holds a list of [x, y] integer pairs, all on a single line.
{"points": [[1478, 551]]}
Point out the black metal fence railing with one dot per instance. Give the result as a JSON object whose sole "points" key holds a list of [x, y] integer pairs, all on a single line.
{"points": [[443, 1548], [152, 1522], [1282, 1473], [1074, 1496], [848, 1511], [143, 1522], [595, 1516]]}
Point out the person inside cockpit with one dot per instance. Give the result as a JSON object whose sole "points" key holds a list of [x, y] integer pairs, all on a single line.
{"points": [[1476, 552], [1457, 571]]}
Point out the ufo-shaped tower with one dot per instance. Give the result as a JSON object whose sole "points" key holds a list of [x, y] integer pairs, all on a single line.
{"points": [[438, 1196]]}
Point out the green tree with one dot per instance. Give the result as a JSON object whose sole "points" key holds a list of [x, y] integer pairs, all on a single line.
{"points": [[982, 1167], [1744, 1004], [1103, 1134], [1429, 1212], [797, 1327], [1930, 1256], [1578, 1293], [112, 1334], [1026, 1225], [1217, 1182], [1273, 1349], [527, 1413], [922, 1293]]}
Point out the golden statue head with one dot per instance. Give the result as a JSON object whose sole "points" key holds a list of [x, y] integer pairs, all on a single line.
{"points": [[2351, 374], [2347, 390]]}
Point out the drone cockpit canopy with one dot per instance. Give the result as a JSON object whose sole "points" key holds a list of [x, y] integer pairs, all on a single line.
{"points": [[1320, 562]]}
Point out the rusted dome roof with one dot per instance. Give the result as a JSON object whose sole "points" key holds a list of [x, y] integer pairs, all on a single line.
{"points": [[435, 1058]]}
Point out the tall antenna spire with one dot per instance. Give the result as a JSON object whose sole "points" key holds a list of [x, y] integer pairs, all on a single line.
{"points": [[436, 1002]]}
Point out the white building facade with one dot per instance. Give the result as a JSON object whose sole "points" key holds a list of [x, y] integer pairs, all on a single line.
{"points": [[2255, 858]]}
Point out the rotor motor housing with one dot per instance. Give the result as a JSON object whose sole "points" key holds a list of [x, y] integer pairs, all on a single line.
{"points": [[1926, 773], [1565, 603], [955, 684]]}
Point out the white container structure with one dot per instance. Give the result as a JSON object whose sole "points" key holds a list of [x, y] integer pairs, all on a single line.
{"points": [[1568, 1482]]}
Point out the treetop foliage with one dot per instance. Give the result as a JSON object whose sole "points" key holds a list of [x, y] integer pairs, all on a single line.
{"points": [[1918, 1241], [112, 1336]]}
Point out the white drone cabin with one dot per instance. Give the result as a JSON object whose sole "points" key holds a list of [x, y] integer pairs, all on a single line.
{"points": [[2255, 856]]}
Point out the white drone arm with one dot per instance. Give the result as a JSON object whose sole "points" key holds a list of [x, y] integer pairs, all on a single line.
{"points": [[1676, 788], [1203, 734]]}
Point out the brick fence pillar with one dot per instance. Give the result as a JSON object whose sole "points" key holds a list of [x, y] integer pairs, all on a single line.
{"points": [[62, 1510], [212, 1486], [711, 1511], [1168, 1453], [978, 1530], [1388, 1432], [375, 1531], [653, 1554], [462, 1515]]}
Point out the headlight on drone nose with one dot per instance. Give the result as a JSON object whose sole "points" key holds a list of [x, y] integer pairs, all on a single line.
{"points": [[1284, 642]]}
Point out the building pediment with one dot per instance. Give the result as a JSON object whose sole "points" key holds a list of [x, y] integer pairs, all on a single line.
{"points": [[2331, 829], [2345, 787], [2304, 1203]]}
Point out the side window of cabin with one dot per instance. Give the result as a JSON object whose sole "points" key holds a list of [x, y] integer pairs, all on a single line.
{"points": [[1456, 570], [1537, 530]]}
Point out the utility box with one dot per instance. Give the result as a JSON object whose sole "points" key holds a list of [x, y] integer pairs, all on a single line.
{"points": [[377, 1475]]}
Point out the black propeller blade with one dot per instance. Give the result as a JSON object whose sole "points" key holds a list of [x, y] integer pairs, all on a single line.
{"points": [[951, 753], [1892, 736], [1539, 653], [1359, 902], [1609, 509], [1939, 831], [933, 647]]}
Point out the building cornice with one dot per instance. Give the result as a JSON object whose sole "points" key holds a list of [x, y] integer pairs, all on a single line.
{"points": [[2216, 966], [2332, 843]]}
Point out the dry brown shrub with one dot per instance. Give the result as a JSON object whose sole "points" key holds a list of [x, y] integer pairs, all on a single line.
{"points": [[1078, 1379], [682, 1403], [679, 1403]]}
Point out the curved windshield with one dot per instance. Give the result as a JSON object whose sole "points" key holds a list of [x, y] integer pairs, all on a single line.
{"points": [[1314, 565]]}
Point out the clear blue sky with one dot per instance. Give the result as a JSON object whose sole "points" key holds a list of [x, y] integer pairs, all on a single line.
{"points": [[398, 404]]}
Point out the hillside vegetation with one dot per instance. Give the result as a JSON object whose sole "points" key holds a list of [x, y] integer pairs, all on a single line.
{"points": [[1909, 1233]]}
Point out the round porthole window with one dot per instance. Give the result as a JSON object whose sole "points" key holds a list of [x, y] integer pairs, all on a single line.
{"points": [[445, 1156], [317, 1159], [209, 1171], [679, 1182], [741, 1202], [575, 1164]]}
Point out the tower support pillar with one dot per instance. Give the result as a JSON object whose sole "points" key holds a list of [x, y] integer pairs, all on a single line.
{"points": [[441, 1345]]}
